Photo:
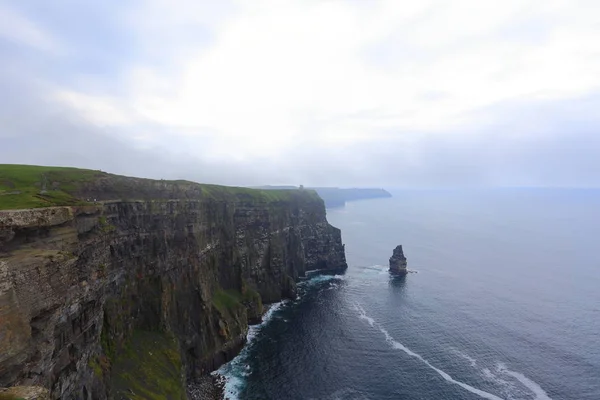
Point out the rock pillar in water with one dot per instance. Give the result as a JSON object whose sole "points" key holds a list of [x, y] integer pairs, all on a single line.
{"points": [[398, 261]]}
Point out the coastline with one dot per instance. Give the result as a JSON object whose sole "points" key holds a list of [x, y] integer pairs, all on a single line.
{"points": [[224, 383], [212, 386], [207, 387]]}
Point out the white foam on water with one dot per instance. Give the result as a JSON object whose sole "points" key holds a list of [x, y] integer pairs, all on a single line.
{"points": [[362, 314], [235, 370], [371, 269], [509, 387], [254, 329], [467, 357], [232, 387], [399, 346], [314, 277], [534, 387]]}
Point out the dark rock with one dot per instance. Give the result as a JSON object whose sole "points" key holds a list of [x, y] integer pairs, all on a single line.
{"points": [[76, 283], [398, 261], [208, 387]]}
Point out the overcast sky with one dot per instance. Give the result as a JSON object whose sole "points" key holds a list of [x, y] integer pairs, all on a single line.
{"points": [[319, 92]]}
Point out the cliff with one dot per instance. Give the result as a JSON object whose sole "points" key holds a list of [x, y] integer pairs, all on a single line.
{"points": [[337, 197], [139, 285]]}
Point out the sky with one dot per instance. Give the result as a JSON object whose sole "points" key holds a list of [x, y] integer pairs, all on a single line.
{"points": [[392, 93]]}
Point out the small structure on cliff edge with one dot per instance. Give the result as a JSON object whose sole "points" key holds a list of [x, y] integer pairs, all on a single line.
{"points": [[398, 261]]}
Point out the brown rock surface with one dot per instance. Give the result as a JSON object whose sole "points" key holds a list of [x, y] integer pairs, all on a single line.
{"points": [[76, 282], [24, 393]]}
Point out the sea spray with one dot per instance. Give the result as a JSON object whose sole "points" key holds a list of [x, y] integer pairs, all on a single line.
{"points": [[235, 371]]}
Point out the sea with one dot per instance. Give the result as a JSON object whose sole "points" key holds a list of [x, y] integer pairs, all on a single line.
{"points": [[502, 302]]}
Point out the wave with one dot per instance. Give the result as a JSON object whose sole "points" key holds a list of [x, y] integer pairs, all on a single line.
{"points": [[253, 330], [236, 370], [507, 386], [471, 360], [383, 269], [540, 394], [316, 277], [375, 267], [399, 346], [501, 369], [528, 385]]}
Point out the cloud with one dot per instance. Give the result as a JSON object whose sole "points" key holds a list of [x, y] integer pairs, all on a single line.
{"points": [[21, 31], [321, 92]]}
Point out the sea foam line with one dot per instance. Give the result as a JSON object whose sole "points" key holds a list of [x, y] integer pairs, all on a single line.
{"points": [[399, 346], [467, 357], [540, 394]]}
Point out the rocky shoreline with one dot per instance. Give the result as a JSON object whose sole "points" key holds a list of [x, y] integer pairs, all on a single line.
{"points": [[208, 387], [212, 387]]}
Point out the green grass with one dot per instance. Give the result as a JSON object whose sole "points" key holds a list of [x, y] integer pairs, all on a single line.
{"points": [[227, 300], [31, 186], [94, 364], [104, 225], [242, 193], [5, 396], [149, 367], [231, 300]]}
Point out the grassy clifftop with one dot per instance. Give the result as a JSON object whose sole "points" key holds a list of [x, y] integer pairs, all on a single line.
{"points": [[31, 186]]}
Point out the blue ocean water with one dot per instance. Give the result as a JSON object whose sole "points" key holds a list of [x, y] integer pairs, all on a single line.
{"points": [[504, 304]]}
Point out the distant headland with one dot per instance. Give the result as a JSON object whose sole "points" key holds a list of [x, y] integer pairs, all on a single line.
{"points": [[337, 197]]}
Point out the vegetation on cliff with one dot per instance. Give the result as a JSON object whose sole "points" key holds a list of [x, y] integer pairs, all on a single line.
{"points": [[90, 292], [230, 300], [149, 367], [337, 197], [31, 186]]}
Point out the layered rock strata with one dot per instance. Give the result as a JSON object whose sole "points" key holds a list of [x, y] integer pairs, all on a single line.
{"points": [[172, 278]]}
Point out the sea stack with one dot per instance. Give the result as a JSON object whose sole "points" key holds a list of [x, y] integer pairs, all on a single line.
{"points": [[398, 261]]}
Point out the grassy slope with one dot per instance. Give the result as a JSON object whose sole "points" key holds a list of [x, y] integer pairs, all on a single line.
{"points": [[21, 186], [230, 300], [30, 186], [149, 367]]}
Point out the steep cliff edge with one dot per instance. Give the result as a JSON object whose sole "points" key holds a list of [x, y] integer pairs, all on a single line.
{"points": [[159, 274], [337, 197]]}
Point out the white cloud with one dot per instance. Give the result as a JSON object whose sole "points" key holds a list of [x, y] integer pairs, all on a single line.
{"points": [[18, 29], [100, 111], [273, 74]]}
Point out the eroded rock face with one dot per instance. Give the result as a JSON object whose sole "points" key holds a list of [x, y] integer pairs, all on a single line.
{"points": [[25, 393], [76, 282], [398, 261]]}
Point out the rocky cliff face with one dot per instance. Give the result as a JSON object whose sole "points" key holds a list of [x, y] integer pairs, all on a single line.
{"points": [[88, 291], [398, 262]]}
